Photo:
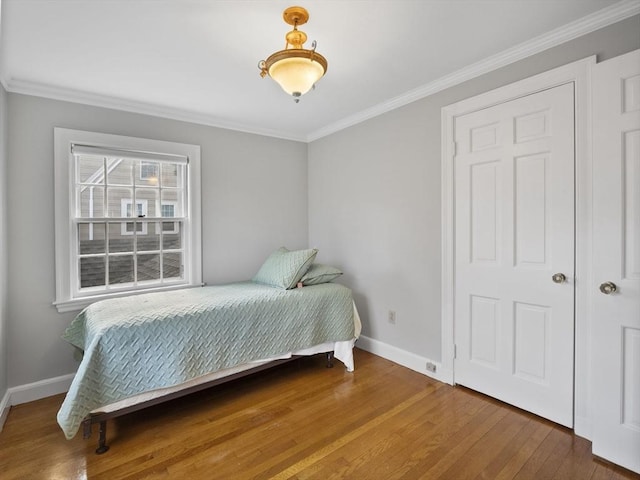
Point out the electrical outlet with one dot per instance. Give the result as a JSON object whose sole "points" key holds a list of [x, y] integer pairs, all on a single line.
{"points": [[392, 317], [431, 367]]}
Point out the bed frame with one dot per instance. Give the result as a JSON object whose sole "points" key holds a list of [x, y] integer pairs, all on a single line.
{"points": [[102, 417]]}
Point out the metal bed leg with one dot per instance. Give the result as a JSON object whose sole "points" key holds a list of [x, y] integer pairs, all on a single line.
{"points": [[102, 440], [329, 359], [86, 429]]}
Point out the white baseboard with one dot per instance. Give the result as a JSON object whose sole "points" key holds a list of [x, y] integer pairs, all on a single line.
{"points": [[401, 357], [38, 390], [4, 408]]}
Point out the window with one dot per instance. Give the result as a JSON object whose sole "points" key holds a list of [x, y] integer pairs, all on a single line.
{"points": [[127, 216]]}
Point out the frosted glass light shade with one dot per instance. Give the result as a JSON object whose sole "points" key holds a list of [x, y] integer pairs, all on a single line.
{"points": [[296, 75]]}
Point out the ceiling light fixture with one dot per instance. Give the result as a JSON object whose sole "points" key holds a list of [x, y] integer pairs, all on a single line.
{"points": [[295, 69]]}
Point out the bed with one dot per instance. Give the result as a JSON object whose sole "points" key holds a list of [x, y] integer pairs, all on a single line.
{"points": [[145, 349]]}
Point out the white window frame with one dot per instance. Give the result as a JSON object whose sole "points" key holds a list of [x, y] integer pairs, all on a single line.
{"points": [[68, 297]]}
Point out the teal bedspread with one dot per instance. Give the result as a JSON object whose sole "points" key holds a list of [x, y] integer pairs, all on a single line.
{"points": [[140, 343]]}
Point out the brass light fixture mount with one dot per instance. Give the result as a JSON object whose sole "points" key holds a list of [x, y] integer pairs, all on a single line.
{"points": [[295, 69]]}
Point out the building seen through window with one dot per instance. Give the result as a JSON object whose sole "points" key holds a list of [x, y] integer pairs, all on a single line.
{"points": [[120, 208]]}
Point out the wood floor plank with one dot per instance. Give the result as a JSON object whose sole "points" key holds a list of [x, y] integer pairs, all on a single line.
{"points": [[303, 421], [516, 454], [322, 430], [485, 449], [579, 466], [396, 435], [352, 435], [439, 424], [541, 455]]}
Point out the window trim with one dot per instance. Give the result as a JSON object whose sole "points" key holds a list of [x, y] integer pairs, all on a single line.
{"points": [[64, 139]]}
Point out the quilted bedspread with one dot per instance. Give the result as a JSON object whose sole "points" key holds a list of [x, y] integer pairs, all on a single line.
{"points": [[140, 343]]}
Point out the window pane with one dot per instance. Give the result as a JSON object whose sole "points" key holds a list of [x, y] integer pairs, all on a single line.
{"points": [[120, 237], [120, 171], [148, 267], [169, 228], [150, 240], [172, 235], [149, 198], [120, 269], [172, 197], [167, 210], [148, 173], [92, 272], [171, 174], [91, 238], [129, 227], [119, 201], [90, 169], [91, 202], [172, 265]]}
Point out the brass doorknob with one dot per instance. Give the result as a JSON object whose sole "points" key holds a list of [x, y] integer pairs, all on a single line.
{"points": [[559, 278], [608, 288]]}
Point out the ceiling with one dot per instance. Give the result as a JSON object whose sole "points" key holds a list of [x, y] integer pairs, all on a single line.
{"points": [[197, 60]]}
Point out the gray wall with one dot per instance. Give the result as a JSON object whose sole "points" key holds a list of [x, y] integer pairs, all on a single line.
{"points": [[254, 200], [3, 244], [374, 197]]}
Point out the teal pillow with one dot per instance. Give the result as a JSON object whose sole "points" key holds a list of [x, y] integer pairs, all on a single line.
{"points": [[319, 273], [284, 269]]}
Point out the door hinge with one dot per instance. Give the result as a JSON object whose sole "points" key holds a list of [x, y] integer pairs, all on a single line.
{"points": [[455, 351]]}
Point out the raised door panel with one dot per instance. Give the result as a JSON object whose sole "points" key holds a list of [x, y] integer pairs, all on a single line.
{"points": [[531, 211], [485, 335], [485, 180]]}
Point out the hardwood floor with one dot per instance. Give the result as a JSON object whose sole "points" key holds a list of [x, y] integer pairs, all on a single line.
{"points": [[304, 421]]}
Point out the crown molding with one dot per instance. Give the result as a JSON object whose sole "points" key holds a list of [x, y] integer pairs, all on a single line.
{"points": [[26, 87], [600, 19]]}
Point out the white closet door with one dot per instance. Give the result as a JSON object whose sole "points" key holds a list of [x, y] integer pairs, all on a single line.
{"points": [[616, 260], [514, 224]]}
